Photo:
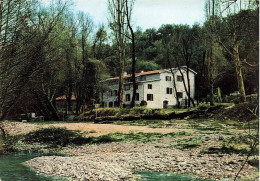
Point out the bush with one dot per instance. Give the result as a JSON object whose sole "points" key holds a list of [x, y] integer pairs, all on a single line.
{"points": [[254, 161], [107, 112], [143, 103], [240, 112]]}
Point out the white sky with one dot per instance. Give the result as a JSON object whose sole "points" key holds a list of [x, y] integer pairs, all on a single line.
{"points": [[149, 13]]}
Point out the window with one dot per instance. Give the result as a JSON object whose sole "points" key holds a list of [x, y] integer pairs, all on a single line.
{"points": [[111, 93], [127, 87], [115, 92], [179, 95], [127, 97], [137, 96], [169, 90], [168, 78], [149, 97], [150, 86], [116, 104], [110, 104], [179, 78]]}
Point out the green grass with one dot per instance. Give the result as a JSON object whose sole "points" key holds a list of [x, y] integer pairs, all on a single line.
{"points": [[238, 144], [1, 144], [137, 137], [189, 143], [151, 123]]}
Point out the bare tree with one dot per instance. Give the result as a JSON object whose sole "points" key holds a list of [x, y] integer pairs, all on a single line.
{"points": [[129, 7], [118, 25], [227, 12]]}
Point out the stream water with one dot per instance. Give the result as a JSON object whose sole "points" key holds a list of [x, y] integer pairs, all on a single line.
{"points": [[12, 169]]}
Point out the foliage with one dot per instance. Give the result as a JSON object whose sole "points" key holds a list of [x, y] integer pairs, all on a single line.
{"points": [[239, 112], [135, 111], [49, 51], [254, 161]]}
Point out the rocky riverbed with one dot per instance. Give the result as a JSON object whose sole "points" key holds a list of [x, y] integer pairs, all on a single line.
{"points": [[118, 161]]}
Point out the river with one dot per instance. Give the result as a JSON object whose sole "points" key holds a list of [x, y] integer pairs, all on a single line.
{"points": [[12, 168]]}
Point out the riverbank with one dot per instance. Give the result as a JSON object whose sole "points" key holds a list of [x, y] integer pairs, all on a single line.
{"points": [[118, 161], [202, 148]]}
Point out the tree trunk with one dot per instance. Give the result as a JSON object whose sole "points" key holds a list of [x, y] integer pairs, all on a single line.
{"points": [[185, 87], [237, 62], [133, 53], [173, 79], [211, 65], [121, 49]]}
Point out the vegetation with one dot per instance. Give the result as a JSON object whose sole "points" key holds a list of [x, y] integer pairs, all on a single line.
{"points": [[239, 144], [189, 143], [51, 51]]}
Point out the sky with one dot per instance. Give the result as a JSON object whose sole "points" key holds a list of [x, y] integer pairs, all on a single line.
{"points": [[149, 13]]}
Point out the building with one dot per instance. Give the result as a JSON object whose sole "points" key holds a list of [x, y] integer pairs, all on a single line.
{"points": [[155, 87], [62, 104]]}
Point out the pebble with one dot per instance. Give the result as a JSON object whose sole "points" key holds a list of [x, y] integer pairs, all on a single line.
{"points": [[118, 161]]}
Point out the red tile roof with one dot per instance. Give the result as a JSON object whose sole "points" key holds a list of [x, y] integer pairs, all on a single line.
{"points": [[141, 73], [73, 97]]}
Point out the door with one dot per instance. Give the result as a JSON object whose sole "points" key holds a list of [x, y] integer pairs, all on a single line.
{"points": [[165, 104]]}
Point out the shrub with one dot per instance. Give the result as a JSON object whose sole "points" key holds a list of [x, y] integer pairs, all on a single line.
{"points": [[107, 112], [143, 103], [254, 161], [240, 112], [123, 111]]}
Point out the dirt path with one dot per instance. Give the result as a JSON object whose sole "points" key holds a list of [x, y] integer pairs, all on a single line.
{"points": [[103, 129], [14, 128]]}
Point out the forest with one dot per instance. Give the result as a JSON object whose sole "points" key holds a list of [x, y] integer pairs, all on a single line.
{"points": [[48, 51]]}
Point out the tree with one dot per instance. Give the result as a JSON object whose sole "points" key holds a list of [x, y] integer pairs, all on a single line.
{"points": [[232, 25], [183, 45], [129, 9], [26, 57], [99, 46], [83, 83], [166, 32], [118, 25]]}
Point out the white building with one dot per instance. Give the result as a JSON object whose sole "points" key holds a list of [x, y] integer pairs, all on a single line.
{"points": [[155, 87]]}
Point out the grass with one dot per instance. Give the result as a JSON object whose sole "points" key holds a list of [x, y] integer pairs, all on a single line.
{"points": [[151, 123], [1, 144], [54, 139], [50, 139], [134, 137], [189, 143], [238, 144]]}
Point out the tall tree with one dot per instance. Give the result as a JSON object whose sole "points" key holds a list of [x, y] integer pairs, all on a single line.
{"points": [[129, 7], [229, 11], [118, 25]]}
